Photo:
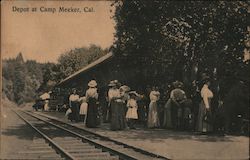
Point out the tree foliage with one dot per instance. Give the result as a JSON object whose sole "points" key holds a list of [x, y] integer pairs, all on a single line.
{"points": [[75, 59], [21, 79], [166, 40]]}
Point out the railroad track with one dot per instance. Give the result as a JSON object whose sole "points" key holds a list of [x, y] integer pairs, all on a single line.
{"points": [[71, 142]]}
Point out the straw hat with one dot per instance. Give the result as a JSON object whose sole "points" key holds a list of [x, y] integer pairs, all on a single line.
{"points": [[156, 93], [125, 88], [177, 84], [118, 84], [92, 83], [134, 93], [111, 84], [115, 83]]}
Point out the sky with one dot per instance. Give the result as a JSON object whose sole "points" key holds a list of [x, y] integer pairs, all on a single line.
{"points": [[43, 36]]}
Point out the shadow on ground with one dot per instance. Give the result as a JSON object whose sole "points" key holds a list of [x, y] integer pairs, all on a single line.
{"points": [[154, 135], [20, 131]]}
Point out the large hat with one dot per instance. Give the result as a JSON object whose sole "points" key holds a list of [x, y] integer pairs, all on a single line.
{"points": [[92, 83], [125, 88], [111, 84], [156, 93], [114, 83], [134, 93], [205, 79], [177, 84], [118, 84]]}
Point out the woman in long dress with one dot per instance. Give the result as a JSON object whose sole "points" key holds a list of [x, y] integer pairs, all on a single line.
{"points": [[116, 103], [167, 123], [174, 107], [92, 99], [153, 120], [74, 105], [124, 92], [204, 115]]}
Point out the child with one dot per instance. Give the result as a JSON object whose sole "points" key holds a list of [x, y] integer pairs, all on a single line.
{"points": [[132, 114], [83, 109]]}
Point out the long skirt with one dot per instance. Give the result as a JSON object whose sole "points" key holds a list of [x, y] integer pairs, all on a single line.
{"points": [[167, 123], [75, 111], [202, 124], [105, 112], [46, 105], [142, 112], [123, 115], [118, 116], [83, 108], [153, 120], [132, 113], [92, 111]]}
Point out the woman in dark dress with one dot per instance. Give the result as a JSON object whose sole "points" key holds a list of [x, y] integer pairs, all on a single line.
{"points": [[117, 108], [92, 99], [142, 109]]}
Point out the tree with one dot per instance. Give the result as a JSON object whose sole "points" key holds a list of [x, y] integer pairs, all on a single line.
{"points": [[21, 79], [75, 59], [51, 75], [165, 40]]}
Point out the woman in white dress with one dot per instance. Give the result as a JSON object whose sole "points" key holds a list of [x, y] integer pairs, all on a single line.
{"points": [[204, 115], [153, 120]]}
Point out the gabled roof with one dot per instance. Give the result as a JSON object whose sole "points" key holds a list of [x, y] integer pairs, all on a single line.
{"points": [[84, 69]]}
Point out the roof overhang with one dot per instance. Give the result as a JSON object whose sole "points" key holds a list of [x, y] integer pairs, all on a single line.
{"points": [[86, 68]]}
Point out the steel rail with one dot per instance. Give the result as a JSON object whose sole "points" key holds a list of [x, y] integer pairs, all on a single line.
{"points": [[121, 155], [51, 142], [108, 139]]}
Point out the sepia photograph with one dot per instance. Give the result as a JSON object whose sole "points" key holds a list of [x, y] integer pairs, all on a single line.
{"points": [[124, 80]]}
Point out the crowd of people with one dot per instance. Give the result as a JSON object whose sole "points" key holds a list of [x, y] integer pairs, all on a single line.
{"points": [[126, 109]]}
